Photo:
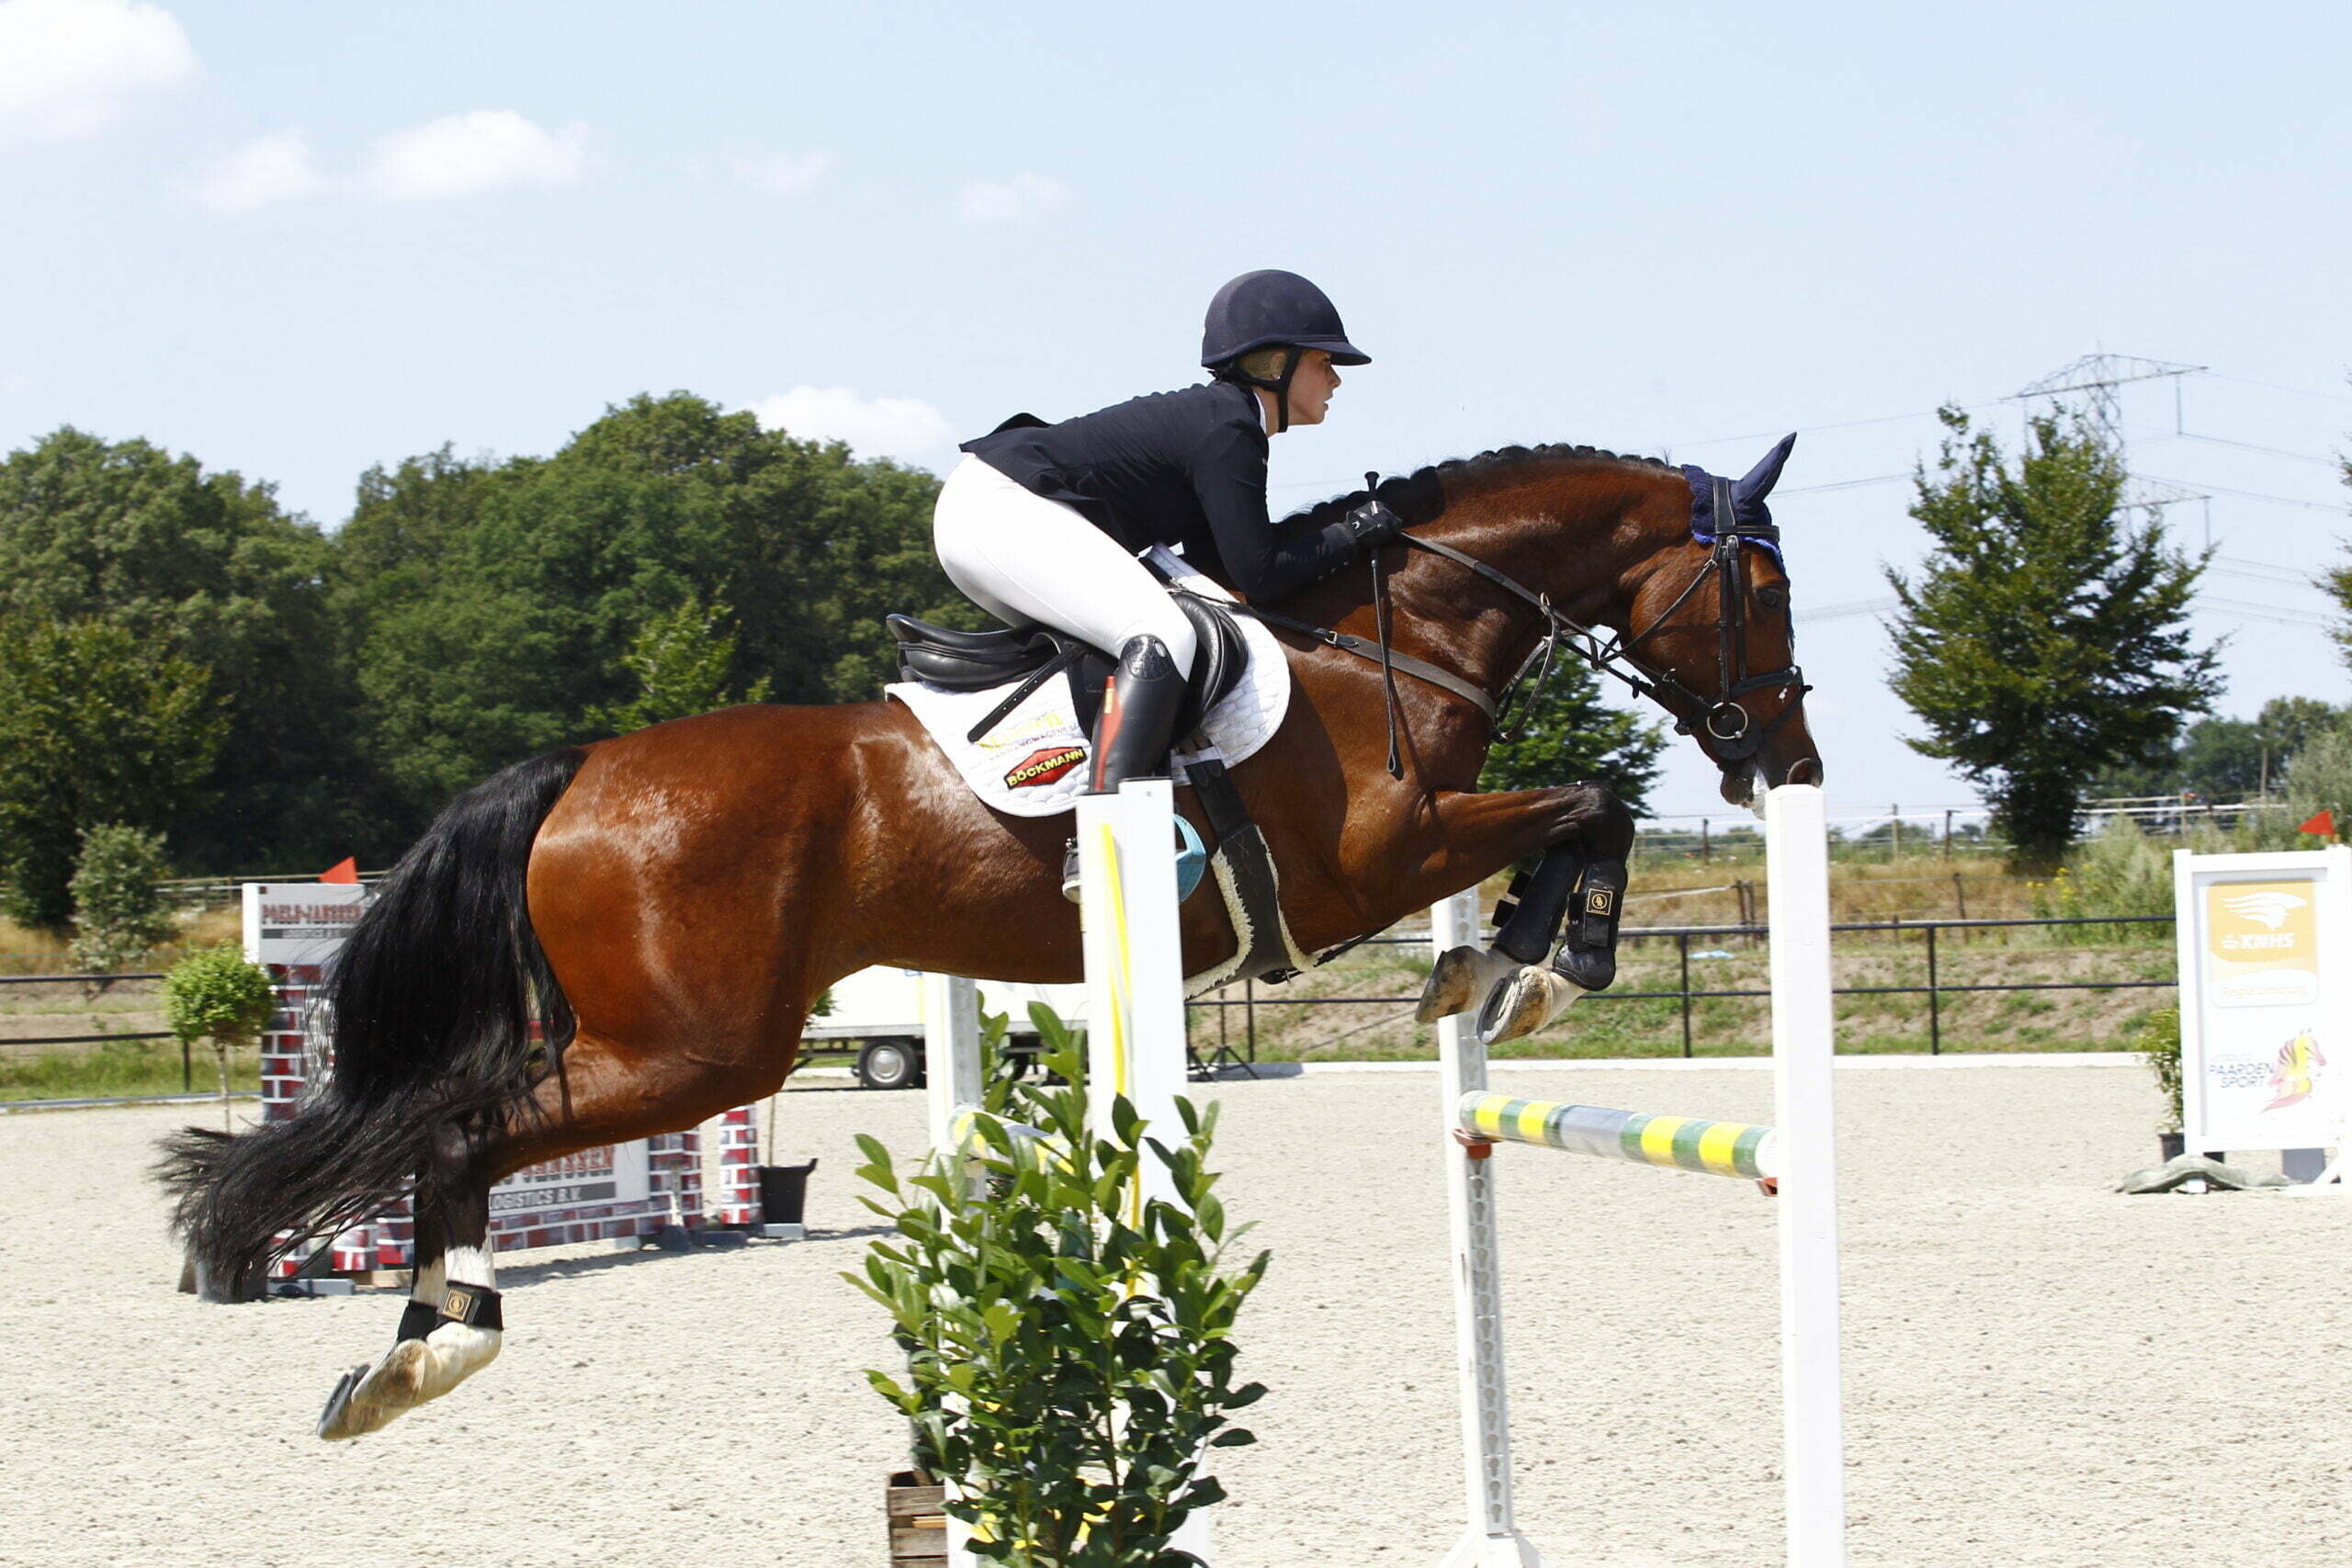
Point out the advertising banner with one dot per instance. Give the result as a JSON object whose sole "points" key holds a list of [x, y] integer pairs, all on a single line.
{"points": [[298, 922], [2265, 993]]}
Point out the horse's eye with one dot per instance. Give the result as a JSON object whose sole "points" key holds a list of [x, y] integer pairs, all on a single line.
{"points": [[1772, 598]]}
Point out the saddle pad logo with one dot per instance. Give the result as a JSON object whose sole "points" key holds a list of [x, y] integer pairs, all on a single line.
{"points": [[1044, 767]]}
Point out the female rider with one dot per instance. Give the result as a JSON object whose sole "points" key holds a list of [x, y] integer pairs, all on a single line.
{"points": [[1043, 522]]}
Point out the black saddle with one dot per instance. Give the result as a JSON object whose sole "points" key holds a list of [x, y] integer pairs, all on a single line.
{"points": [[1025, 657]]}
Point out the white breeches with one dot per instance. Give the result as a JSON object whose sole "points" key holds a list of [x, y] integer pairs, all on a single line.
{"points": [[1024, 559]]}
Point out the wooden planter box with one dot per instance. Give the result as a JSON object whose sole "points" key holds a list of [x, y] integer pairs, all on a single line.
{"points": [[917, 1520]]}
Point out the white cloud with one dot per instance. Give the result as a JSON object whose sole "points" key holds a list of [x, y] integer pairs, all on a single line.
{"points": [[70, 67], [875, 427], [781, 173], [272, 169], [462, 154], [1023, 195]]}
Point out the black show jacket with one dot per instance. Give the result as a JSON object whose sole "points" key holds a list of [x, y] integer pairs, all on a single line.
{"points": [[1186, 469]]}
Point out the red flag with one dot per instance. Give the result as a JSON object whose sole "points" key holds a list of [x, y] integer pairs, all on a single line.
{"points": [[2324, 822], [345, 869]]}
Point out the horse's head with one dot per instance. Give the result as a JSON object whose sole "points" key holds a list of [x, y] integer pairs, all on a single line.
{"points": [[1704, 620]]}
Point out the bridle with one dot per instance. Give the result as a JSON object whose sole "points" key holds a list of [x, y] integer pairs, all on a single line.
{"points": [[1723, 728]]}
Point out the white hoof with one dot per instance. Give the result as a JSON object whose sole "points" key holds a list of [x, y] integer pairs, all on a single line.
{"points": [[370, 1397], [1459, 978], [1524, 1003]]}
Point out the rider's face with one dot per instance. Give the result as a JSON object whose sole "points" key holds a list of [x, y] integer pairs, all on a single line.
{"points": [[1311, 388]]}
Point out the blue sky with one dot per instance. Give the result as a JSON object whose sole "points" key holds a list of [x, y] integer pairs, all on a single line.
{"points": [[297, 241]]}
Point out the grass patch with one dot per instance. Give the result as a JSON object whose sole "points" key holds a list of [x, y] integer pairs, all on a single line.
{"points": [[116, 1067]]}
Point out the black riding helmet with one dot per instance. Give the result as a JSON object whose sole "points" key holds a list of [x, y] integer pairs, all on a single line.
{"points": [[1271, 308]]}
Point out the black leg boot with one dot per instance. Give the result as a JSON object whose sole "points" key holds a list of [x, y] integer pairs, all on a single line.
{"points": [[1587, 953], [1135, 729]]}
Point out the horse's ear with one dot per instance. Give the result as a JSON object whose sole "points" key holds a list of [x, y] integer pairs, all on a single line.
{"points": [[1766, 473]]}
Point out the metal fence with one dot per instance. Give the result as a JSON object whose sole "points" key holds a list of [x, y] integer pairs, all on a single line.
{"points": [[1929, 932]]}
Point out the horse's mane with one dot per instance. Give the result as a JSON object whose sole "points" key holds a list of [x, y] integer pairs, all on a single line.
{"points": [[1457, 476]]}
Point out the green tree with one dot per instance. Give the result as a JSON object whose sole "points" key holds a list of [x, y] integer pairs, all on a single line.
{"points": [[1572, 737], [681, 658], [493, 608], [119, 912], [2228, 759], [207, 567], [97, 725], [2043, 641]]}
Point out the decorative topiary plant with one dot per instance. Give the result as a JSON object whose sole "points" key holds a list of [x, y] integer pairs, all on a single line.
{"points": [[214, 994], [1067, 1372]]}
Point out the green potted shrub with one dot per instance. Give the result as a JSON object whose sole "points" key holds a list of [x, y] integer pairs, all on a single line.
{"points": [[2156, 1036], [214, 994], [1066, 1371]]}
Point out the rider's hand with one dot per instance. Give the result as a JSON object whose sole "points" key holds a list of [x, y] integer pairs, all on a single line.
{"points": [[1373, 524]]}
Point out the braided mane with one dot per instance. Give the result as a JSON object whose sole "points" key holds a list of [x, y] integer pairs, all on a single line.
{"points": [[1490, 466]]}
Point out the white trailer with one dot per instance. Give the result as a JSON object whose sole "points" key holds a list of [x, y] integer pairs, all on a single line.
{"points": [[878, 1013]]}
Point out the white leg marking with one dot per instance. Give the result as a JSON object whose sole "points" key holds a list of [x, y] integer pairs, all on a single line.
{"points": [[414, 1371]]}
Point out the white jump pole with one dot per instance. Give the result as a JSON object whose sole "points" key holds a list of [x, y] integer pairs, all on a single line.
{"points": [[1803, 1044], [1135, 972], [1134, 988], [1492, 1539], [954, 1078]]}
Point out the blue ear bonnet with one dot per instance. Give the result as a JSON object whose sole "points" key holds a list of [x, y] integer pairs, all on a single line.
{"points": [[1750, 520]]}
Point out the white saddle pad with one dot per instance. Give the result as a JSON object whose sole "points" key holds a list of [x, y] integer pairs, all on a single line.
{"points": [[1035, 762]]}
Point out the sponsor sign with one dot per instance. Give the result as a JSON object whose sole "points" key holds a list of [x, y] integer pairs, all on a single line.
{"points": [[298, 922], [617, 1173], [2265, 997]]}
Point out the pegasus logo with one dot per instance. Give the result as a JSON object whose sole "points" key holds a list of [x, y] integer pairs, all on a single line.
{"points": [[2267, 909]]}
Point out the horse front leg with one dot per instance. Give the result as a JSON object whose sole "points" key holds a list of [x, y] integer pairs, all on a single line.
{"points": [[1585, 834]]}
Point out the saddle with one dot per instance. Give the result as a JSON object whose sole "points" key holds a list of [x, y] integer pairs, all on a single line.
{"points": [[1027, 657]]}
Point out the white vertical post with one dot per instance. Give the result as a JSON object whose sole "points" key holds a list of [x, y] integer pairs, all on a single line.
{"points": [[953, 1083], [1804, 1043], [1135, 986], [1135, 966], [1492, 1539], [953, 1078]]}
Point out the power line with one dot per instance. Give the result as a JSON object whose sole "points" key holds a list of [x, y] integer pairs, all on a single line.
{"points": [[2280, 386], [2160, 434], [2336, 507]]}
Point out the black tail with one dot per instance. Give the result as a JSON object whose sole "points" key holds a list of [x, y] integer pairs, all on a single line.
{"points": [[432, 1000]]}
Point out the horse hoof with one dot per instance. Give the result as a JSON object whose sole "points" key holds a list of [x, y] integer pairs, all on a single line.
{"points": [[1459, 978], [373, 1395], [1524, 1003]]}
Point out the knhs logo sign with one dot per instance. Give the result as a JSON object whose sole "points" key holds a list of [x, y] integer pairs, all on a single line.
{"points": [[1044, 767]]}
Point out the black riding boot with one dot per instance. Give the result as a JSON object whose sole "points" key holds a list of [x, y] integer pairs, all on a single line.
{"points": [[1136, 727]]}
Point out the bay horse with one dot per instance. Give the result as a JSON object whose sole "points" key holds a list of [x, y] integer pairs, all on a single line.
{"points": [[624, 938]]}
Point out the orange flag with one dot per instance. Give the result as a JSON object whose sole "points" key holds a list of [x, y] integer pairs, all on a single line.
{"points": [[2324, 822], [345, 869]]}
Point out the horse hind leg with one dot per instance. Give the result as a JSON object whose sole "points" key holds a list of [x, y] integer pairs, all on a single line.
{"points": [[451, 1327]]}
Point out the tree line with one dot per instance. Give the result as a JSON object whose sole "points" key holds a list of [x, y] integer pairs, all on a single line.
{"points": [[181, 657]]}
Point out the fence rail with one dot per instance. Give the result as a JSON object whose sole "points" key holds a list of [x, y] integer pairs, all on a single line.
{"points": [[1935, 990]]}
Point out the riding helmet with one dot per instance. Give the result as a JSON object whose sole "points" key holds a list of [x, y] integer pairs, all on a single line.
{"points": [[1261, 309]]}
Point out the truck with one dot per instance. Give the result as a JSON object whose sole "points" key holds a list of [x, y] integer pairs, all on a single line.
{"points": [[878, 1015]]}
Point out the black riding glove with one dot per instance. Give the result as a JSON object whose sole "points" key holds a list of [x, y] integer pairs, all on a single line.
{"points": [[1373, 524]]}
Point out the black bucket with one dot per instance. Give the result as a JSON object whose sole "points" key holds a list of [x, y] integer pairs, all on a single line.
{"points": [[784, 1190]]}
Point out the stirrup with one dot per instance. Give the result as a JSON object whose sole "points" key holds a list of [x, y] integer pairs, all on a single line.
{"points": [[1192, 863]]}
